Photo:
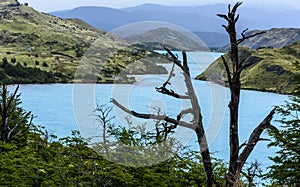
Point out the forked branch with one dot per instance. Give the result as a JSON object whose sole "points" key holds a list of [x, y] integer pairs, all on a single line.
{"points": [[244, 37], [171, 92], [153, 116], [175, 59], [196, 124], [255, 138]]}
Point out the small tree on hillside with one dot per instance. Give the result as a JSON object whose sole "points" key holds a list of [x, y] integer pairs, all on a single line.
{"points": [[286, 169], [14, 119], [239, 153]]}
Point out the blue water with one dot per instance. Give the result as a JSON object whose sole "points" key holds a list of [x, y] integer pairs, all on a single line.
{"points": [[65, 107]]}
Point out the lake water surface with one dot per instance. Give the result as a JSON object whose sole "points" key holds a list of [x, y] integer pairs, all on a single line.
{"points": [[65, 107]]}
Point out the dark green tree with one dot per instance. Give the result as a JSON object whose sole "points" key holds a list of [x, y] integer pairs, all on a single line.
{"points": [[286, 170], [14, 119]]}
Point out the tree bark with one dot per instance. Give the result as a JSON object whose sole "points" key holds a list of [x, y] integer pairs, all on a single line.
{"points": [[195, 111], [237, 161]]}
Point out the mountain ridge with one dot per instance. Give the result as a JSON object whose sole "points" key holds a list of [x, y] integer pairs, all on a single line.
{"points": [[252, 18], [158, 39]]}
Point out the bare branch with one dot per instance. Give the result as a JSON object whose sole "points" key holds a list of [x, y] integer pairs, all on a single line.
{"points": [[153, 116], [184, 112], [12, 130], [264, 139], [223, 16], [227, 70], [166, 91], [175, 58], [244, 31], [224, 26], [237, 18], [171, 74], [13, 96], [260, 139], [170, 92], [236, 6], [243, 144], [239, 41], [255, 138], [185, 64], [10, 135]]}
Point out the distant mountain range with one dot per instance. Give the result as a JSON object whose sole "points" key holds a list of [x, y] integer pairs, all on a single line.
{"points": [[195, 19], [201, 20]]}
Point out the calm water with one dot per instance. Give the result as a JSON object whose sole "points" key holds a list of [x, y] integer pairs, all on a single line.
{"points": [[65, 107]]}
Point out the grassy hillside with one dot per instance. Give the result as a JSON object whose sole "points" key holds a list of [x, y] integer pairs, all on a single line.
{"points": [[270, 69], [50, 46]]}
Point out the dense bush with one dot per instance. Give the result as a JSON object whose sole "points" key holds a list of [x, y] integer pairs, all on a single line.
{"points": [[18, 74]]}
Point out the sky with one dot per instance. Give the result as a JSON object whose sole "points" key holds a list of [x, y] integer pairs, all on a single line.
{"points": [[54, 5]]}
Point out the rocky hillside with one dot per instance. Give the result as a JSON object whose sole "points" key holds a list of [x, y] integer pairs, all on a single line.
{"points": [[37, 47], [273, 38], [269, 69], [166, 37]]}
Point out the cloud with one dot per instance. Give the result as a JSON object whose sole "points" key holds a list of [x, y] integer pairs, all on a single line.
{"points": [[47, 6]]}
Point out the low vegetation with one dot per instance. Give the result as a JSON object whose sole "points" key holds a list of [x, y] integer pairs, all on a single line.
{"points": [[55, 47], [33, 157]]}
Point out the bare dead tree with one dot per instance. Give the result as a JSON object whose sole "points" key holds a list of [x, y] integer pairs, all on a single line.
{"points": [[104, 118], [238, 153], [237, 159], [195, 111]]}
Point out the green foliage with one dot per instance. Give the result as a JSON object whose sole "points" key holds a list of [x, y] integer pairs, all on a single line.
{"points": [[19, 74], [285, 170], [45, 64], [132, 61], [37, 158], [14, 120], [60, 45], [70, 162], [13, 60]]}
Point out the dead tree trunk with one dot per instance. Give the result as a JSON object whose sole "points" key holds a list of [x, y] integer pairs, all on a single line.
{"points": [[238, 153], [195, 111], [238, 160]]}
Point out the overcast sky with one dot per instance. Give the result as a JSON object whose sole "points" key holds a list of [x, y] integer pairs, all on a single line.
{"points": [[52, 5]]}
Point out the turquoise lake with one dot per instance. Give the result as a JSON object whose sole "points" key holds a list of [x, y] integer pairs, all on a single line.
{"points": [[65, 107]]}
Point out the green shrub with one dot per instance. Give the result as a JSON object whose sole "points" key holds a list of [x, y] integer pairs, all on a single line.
{"points": [[45, 64], [13, 60]]}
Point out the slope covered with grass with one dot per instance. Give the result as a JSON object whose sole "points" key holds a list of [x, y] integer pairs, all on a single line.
{"points": [[269, 69], [54, 46]]}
